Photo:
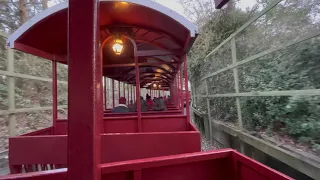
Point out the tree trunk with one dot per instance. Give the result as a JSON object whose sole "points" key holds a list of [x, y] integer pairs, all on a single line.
{"points": [[44, 4], [23, 11]]}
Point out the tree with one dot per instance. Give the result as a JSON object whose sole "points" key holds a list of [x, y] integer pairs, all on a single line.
{"points": [[293, 68]]}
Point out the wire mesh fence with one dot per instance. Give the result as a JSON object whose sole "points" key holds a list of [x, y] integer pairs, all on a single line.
{"points": [[264, 77]]}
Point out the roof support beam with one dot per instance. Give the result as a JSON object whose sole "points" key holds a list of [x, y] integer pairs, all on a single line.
{"points": [[140, 64], [220, 3], [157, 53]]}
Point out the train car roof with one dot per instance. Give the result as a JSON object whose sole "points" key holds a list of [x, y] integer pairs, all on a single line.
{"points": [[152, 26]]}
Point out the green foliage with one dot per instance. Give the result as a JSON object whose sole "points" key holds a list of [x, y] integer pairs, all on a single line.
{"points": [[294, 68]]}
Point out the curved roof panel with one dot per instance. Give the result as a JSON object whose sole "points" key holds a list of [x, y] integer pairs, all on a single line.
{"points": [[151, 26], [45, 34]]}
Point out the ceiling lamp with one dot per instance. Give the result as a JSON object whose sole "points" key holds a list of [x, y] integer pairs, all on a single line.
{"points": [[159, 85], [154, 85], [117, 46]]}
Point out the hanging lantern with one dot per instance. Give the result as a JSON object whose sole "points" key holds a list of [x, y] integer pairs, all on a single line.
{"points": [[117, 46]]}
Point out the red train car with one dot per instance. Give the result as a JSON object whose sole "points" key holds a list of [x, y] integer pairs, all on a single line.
{"points": [[137, 42]]}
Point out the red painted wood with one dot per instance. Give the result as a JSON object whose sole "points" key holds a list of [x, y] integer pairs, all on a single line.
{"points": [[137, 175], [105, 94], [173, 160], [186, 83], [128, 124], [149, 123], [53, 150], [59, 174], [45, 131], [149, 113], [250, 169], [131, 97], [113, 105], [54, 96], [157, 53], [145, 145], [119, 90], [39, 150], [124, 89], [128, 95], [84, 63], [181, 87], [138, 92]]}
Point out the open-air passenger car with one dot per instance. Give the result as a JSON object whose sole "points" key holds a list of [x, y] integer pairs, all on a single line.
{"points": [[137, 42]]}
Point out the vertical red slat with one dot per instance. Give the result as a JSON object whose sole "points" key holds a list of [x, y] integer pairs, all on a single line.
{"points": [[186, 87], [54, 97], [128, 94], [124, 89], [181, 87], [119, 92], [135, 94], [138, 93], [131, 92], [84, 86], [105, 93], [178, 90], [112, 93], [137, 175]]}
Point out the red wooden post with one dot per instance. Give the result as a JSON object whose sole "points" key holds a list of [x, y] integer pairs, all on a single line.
{"points": [[105, 93], [138, 92], [124, 89], [178, 90], [112, 93], [181, 88], [186, 85], [131, 92], [128, 94], [84, 86], [54, 97], [119, 92]]}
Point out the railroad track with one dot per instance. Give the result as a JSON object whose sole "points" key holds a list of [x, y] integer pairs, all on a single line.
{"points": [[4, 165]]}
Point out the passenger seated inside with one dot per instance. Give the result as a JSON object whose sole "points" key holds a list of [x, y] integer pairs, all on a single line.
{"points": [[144, 106], [122, 107], [131, 106], [159, 105], [149, 102]]}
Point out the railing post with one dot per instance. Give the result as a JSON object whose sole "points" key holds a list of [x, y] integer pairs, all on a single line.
{"points": [[54, 96], [112, 93], [119, 89], [209, 110], [105, 93], [128, 93], [236, 86], [186, 86], [181, 90], [11, 93], [131, 97], [236, 81], [124, 89]]}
